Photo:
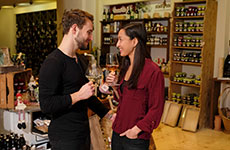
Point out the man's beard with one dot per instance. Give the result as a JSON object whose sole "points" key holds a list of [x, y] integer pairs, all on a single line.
{"points": [[81, 44]]}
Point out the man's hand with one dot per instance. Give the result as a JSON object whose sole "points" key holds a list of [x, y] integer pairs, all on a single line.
{"points": [[85, 92]]}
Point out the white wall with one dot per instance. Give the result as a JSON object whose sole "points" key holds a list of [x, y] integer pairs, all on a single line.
{"points": [[8, 29], [86, 5]]}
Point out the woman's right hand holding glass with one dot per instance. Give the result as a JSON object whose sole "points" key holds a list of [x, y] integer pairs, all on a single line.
{"points": [[111, 79]]}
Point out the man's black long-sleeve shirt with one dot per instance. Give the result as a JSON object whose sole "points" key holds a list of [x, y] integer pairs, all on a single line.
{"points": [[60, 76]]}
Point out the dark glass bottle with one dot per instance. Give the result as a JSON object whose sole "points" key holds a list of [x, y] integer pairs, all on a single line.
{"points": [[128, 14], [227, 66], [131, 13], [104, 16], [111, 15], [108, 15], [136, 15]]}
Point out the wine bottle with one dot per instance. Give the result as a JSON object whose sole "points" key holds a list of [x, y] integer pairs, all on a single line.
{"points": [[131, 13], [104, 16], [136, 16], [227, 66], [128, 14], [111, 15], [108, 15]]}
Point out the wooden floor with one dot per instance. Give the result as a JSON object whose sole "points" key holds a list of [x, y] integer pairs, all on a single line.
{"points": [[169, 138]]}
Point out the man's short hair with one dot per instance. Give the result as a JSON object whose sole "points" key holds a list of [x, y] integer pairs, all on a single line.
{"points": [[74, 16]]}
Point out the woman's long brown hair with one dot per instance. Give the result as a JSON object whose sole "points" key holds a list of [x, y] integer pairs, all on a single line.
{"points": [[135, 30]]}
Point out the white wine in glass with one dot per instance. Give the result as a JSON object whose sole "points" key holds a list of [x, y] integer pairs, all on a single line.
{"points": [[94, 73]]}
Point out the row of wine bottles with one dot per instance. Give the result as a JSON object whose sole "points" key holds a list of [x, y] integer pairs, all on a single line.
{"points": [[130, 14], [36, 37], [12, 142]]}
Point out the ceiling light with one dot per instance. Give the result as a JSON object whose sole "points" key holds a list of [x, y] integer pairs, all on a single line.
{"points": [[7, 7], [23, 4]]}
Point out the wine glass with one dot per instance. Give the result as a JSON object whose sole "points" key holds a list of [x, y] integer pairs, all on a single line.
{"points": [[112, 64], [93, 72]]}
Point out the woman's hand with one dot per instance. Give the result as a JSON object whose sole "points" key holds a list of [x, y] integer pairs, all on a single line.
{"points": [[131, 133], [111, 79]]}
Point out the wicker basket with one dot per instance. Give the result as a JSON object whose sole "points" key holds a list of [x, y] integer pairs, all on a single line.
{"points": [[221, 101]]}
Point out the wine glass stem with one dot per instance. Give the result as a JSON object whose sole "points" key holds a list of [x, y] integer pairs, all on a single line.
{"points": [[95, 92]]}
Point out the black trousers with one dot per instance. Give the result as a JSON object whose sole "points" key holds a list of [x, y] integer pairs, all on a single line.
{"points": [[124, 143], [63, 144]]}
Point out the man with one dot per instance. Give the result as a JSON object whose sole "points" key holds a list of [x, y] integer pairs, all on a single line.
{"points": [[65, 92]]}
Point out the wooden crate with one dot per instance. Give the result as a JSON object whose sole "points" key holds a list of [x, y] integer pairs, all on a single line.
{"points": [[3, 91], [7, 86]]}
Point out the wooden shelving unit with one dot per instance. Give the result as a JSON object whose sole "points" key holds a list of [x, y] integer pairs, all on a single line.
{"points": [[207, 50]]}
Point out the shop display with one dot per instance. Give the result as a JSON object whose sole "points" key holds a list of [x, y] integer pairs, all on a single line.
{"points": [[13, 83], [189, 27], [12, 142], [36, 37], [190, 11], [193, 46], [189, 99], [193, 57], [183, 78]]}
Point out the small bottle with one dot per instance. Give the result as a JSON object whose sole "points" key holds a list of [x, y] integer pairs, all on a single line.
{"points": [[108, 15], [131, 13], [104, 88], [111, 15], [136, 15], [104, 15], [227, 66], [128, 13]]}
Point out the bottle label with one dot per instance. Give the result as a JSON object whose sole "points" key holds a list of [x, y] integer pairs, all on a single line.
{"points": [[104, 88]]}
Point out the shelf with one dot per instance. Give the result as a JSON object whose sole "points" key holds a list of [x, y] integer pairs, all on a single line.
{"points": [[205, 68], [187, 63], [190, 48], [187, 105], [109, 32], [196, 33], [110, 44], [191, 2], [147, 32], [189, 17], [191, 106], [157, 32], [184, 84], [136, 20], [157, 46]]}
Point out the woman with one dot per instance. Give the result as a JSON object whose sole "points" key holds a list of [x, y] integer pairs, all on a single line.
{"points": [[140, 94]]}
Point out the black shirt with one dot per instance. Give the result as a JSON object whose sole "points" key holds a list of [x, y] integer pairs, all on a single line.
{"points": [[60, 76]]}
